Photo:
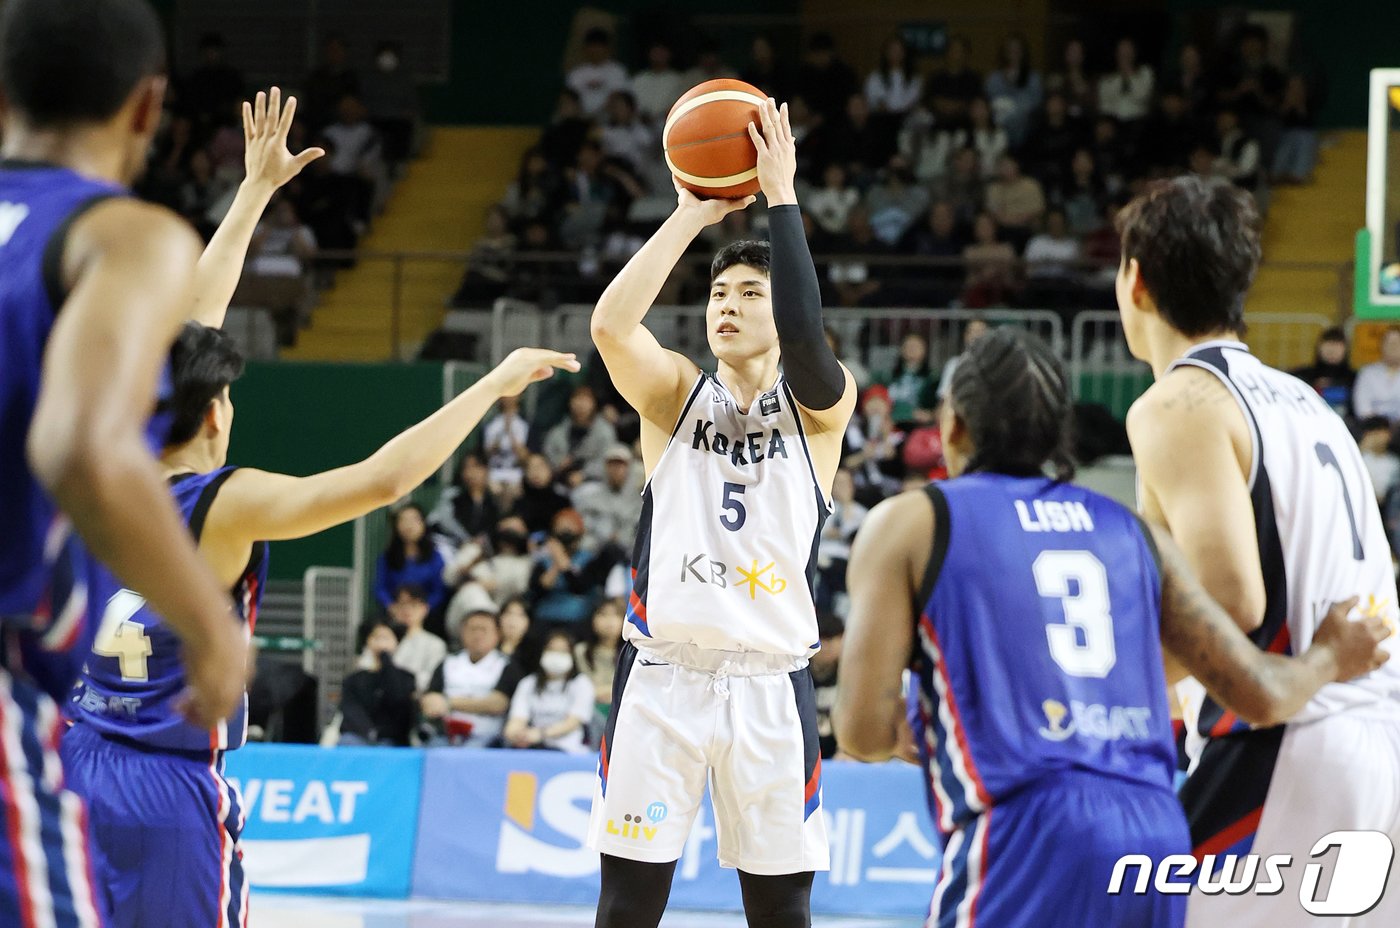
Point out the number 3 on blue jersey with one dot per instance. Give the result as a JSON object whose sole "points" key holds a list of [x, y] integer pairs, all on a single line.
{"points": [[1078, 580], [122, 638]]}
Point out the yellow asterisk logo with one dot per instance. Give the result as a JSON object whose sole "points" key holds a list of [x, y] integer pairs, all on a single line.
{"points": [[1379, 607], [754, 579]]}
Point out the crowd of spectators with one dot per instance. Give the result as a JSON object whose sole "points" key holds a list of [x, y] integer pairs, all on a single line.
{"points": [[365, 119], [1006, 183]]}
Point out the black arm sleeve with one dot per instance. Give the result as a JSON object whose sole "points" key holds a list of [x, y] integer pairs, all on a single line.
{"points": [[811, 368]]}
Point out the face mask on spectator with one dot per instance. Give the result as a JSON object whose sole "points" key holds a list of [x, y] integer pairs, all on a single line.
{"points": [[510, 539], [556, 663], [567, 539]]}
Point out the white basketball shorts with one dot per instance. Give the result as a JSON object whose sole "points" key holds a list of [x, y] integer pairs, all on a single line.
{"points": [[746, 722]]}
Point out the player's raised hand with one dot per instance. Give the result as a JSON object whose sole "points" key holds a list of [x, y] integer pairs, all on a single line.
{"points": [[1354, 644], [708, 212], [777, 154], [216, 674], [266, 123], [525, 366]]}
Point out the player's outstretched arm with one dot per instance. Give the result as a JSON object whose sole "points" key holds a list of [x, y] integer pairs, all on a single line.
{"points": [[1263, 689], [651, 378], [268, 165], [256, 505], [820, 383], [128, 266], [1192, 482], [883, 578]]}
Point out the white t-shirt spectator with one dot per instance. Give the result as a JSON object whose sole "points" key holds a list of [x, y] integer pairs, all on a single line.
{"points": [[356, 147], [460, 677], [632, 142], [1126, 99], [1049, 257], [543, 706], [990, 144], [279, 250], [1384, 469], [656, 91], [1377, 392], [420, 653], [896, 92], [503, 435], [831, 208], [594, 83]]}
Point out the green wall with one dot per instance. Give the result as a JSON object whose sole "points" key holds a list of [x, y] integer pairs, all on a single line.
{"points": [[306, 418]]}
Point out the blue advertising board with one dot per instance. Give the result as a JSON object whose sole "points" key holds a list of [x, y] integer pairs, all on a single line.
{"points": [[510, 826], [338, 821]]}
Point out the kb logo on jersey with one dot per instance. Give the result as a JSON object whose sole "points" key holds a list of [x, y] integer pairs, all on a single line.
{"points": [[753, 578]]}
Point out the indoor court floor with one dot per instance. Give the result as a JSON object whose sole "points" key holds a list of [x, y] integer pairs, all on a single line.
{"points": [[278, 911]]}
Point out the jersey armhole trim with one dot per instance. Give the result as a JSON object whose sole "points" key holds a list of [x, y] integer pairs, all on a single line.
{"points": [[700, 380], [206, 499], [941, 536], [806, 449], [52, 263]]}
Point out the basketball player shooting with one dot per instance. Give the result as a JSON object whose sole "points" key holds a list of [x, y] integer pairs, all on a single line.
{"points": [[712, 680]]}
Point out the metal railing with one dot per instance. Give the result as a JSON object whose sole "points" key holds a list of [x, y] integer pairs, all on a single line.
{"points": [[332, 614]]}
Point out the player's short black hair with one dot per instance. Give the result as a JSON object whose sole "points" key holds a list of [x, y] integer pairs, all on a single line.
{"points": [[71, 61], [1196, 241], [203, 362], [1333, 333], [752, 254], [1012, 393], [369, 626]]}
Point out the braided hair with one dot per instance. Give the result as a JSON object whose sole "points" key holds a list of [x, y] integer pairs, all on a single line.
{"points": [[1012, 393]]}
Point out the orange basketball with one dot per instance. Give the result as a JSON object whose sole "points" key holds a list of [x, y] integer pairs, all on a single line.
{"points": [[706, 139]]}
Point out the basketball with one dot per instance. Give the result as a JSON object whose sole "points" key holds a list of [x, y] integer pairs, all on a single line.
{"points": [[706, 139]]}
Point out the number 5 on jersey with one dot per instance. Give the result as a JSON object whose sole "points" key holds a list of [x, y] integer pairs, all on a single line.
{"points": [[124, 639], [734, 511]]}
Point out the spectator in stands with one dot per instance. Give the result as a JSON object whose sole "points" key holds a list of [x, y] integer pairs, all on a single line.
{"points": [[859, 143], [764, 70], [976, 327], [626, 136], [825, 81], [225, 148], [709, 65], [214, 87], [858, 370], [1111, 155], [552, 706], [419, 651], [988, 139], [1102, 248], [1377, 391], [1202, 159], [598, 76], [1015, 201], [658, 87], [597, 655], [471, 690], [577, 446], [929, 145], [588, 191], [895, 87], [824, 664], [1170, 134], [539, 502], [514, 619], [282, 246], [1381, 462], [1126, 93], [1331, 373], [952, 89], [490, 263], [536, 192], [1239, 154], [1084, 195], [991, 266], [910, 384], [201, 192], [896, 202], [611, 507], [1251, 85], [1191, 77], [566, 132], [468, 510], [377, 700], [1296, 155], [852, 280], [566, 581], [1073, 81], [327, 202], [830, 206], [356, 154], [962, 186], [1014, 90], [873, 455], [329, 83], [391, 96], [490, 582], [410, 559], [839, 530], [503, 444], [1052, 255], [1053, 143], [939, 236]]}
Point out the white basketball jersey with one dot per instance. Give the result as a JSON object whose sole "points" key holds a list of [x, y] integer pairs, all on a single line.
{"points": [[1321, 539], [727, 543]]}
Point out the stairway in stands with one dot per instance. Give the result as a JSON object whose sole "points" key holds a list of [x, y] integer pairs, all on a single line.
{"points": [[438, 205]]}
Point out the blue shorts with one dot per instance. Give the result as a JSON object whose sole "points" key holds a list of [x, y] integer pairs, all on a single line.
{"points": [[46, 876], [1044, 857], [165, 831]]}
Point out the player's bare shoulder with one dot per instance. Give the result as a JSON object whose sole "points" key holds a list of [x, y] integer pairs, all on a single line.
{"points": [[127, 226], [1182, 400]]}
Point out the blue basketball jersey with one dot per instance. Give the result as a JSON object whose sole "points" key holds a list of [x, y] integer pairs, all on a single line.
{"points": [[1038, 647], [132, 677]]}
